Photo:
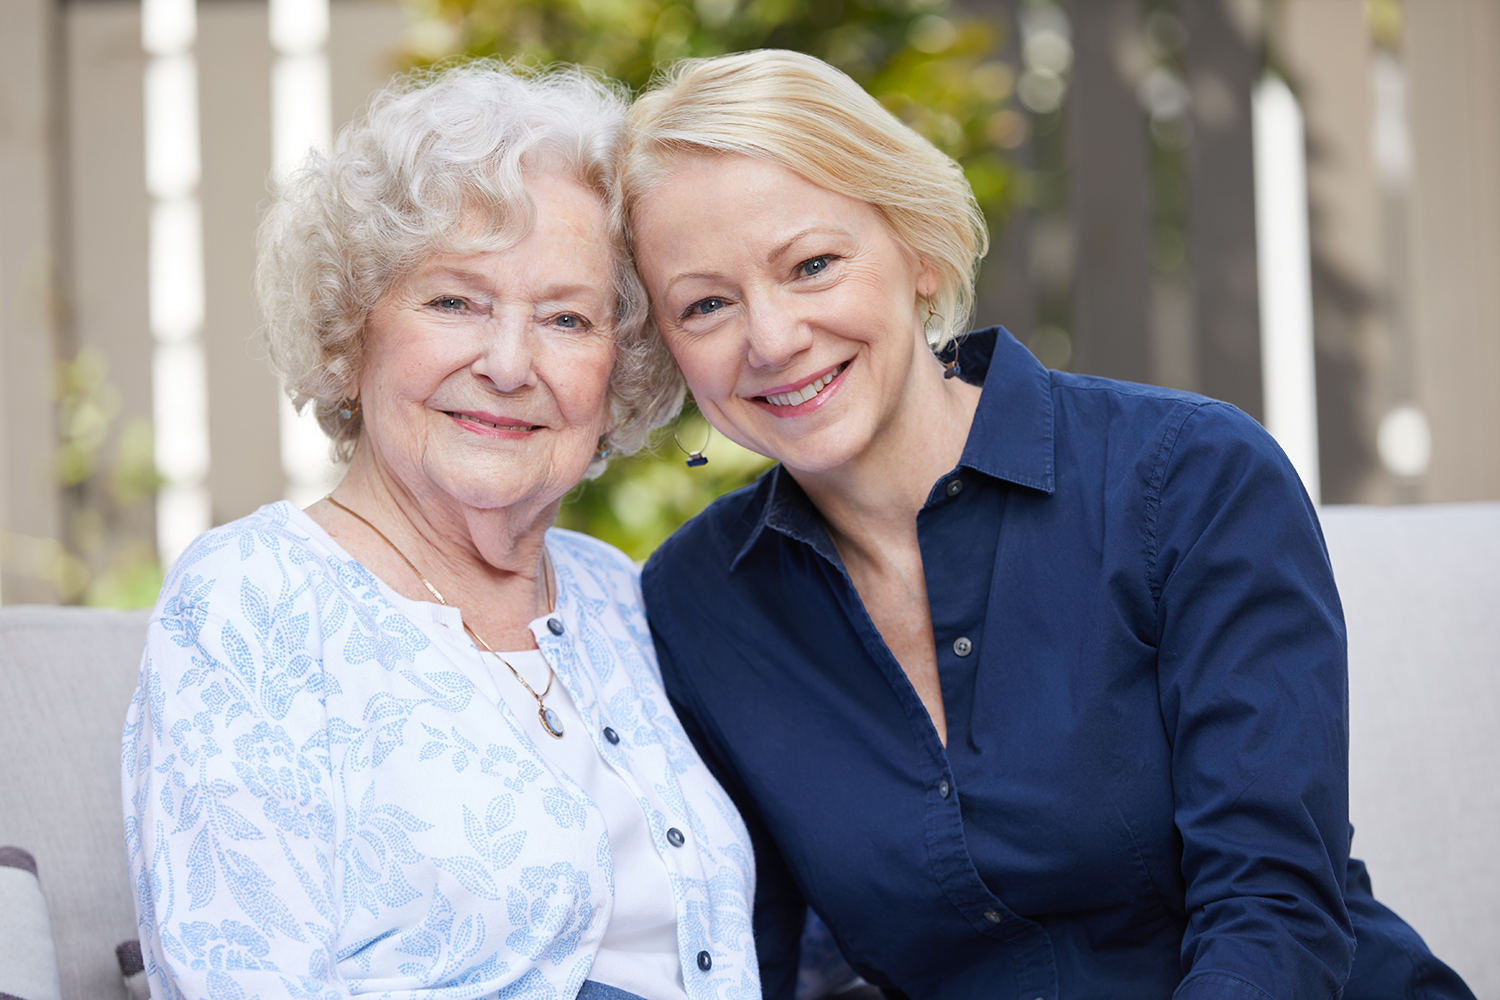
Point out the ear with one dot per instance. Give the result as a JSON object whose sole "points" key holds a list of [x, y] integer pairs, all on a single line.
{"points": [[927, 280]]}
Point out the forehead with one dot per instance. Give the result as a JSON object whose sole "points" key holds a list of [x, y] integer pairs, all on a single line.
{"points": [[568, 245], [731, 203]]}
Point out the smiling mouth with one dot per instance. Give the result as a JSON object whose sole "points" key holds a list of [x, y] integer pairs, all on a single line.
{"points": [[808, 391], [471, 419]]}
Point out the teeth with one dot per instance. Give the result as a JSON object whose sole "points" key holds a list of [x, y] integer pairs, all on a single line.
{"points": [[475, 420], [805, 393]]}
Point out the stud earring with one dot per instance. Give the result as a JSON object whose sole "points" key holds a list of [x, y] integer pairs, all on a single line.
{"points": [[348, 408], [694, 458]]}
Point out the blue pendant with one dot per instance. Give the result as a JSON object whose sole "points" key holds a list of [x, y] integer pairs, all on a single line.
{"points": [[696, 459], [551, 722]]}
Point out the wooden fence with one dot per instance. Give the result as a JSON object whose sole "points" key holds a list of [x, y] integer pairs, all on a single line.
{"points": [[1136, 255]]}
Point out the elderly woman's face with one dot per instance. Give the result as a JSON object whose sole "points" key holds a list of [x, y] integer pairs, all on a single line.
{"points": [[792, 311], [485, 375]]}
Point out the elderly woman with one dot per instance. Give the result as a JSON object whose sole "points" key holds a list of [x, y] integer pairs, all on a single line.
{"points": [[410, 742], [1031, 684]]}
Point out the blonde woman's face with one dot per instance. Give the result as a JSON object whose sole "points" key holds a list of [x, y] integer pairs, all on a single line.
{"points": [[792, 311], [485, 375]]}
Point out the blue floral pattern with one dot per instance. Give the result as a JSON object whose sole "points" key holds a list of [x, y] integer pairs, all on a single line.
{"points": [[326, 796]]}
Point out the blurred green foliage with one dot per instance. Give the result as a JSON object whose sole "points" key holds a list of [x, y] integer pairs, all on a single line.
{"points": [[642, 499], [106, 469], [937, 69]]}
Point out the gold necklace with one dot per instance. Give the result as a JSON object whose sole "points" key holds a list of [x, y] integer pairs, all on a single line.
{"points": [[550, 720]]}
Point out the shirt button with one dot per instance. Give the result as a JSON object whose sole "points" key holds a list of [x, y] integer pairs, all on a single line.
{"points": [[955, 487], [993, 916], [676, 839], [962, 646], [943, 788], [555, 626], [705, 961], [611, 735]]}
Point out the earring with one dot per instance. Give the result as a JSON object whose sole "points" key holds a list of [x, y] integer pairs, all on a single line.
{"points": [[602, 451], [348, 408], [694, 458], [952, 369]]}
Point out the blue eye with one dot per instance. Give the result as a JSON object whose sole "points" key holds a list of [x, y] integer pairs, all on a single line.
{"points": [[449, 303], [569, 322], [814, 266], [704, 307]]}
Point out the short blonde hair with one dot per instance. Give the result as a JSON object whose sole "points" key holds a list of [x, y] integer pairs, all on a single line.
{"points": [[803, 114], [404, 182]]}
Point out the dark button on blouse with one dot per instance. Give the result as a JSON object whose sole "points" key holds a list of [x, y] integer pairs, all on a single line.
{"points": [[675, 837], [955, 487], [611, 735], [944, 788], [555, 626], [705, 961]]}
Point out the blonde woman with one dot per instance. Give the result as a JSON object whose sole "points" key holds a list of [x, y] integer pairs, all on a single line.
{"points": [[1031, 685]]}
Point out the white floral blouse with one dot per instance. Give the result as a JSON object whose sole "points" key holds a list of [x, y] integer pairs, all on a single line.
{"points": [[326, 796]]}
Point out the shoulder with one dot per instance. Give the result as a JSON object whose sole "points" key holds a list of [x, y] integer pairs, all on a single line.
{"points": [[249, 547], [709, 542], [277, 533], [1173, 437], [574, 547], [266, 568], [595, 568]]}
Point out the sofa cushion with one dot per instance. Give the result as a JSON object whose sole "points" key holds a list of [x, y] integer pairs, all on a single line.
{"points": [[1421, 593], [66, 679], [28, 963]]}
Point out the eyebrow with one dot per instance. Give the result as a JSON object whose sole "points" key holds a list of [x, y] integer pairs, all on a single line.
{"points": [[781, 248], [550, 292]]}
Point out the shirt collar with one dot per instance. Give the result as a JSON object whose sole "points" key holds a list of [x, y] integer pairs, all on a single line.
{"points": [[1012, 435], [1011, 438]]}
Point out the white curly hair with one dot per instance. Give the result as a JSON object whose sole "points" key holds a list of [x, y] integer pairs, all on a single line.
{"points": [[405, 181]]}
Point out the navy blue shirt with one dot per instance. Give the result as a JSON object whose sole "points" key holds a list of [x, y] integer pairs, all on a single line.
{"points": [[1142, 659]]}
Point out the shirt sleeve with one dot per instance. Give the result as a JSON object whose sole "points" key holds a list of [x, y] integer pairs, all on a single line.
{"points": [[780, 910], [228, 819], [1253, 687]]}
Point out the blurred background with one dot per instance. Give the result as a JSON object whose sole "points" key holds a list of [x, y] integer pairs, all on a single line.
{"points": [[1292, 205]]}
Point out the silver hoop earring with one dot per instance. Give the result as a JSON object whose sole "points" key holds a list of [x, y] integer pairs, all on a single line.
{"points": [[694, 458]]}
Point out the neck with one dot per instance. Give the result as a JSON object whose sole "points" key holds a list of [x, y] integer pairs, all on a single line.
{"points": [[874, 499], [488, 562]]}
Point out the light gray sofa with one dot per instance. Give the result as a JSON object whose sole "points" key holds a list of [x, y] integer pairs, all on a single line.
{"points": [[1421, 590]]}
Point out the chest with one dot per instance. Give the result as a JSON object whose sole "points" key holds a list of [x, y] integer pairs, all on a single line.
{"points": [[1056, 763]]}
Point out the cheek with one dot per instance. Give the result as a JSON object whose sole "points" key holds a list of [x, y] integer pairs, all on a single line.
{"points": [[585, 392], [709, 371]]}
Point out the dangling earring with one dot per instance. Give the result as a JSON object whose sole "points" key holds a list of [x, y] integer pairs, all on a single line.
{"points": [[694, 458], [348, 408], [952, 369], [602, 451]]}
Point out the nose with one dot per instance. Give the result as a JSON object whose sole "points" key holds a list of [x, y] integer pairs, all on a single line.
{"points": [[506, 354], [778, 333]]}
